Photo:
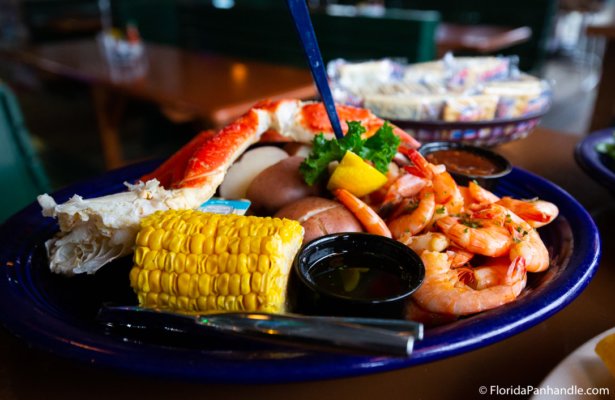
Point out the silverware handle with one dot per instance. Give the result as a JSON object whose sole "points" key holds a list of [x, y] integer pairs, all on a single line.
{"points": [[317, 333], [357, 335]]}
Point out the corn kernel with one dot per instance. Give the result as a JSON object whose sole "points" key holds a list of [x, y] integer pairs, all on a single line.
{"points": [[183, 303], [252, 262], [179, 263], [249, 301], [256, 282], [151, 299], [245, 283], [133, 276], [255, 245], [142, 281], [211, 267], [211, 302], [201, 303], [139, 255], [143, 236], [196, 243], [221, 244], [154, 280], [263, 263], [208, 246], [173, 303], [191, 263], [183, 284], [231, 264], [222, 263], [233, 244], [155, 239], [222, 282], [149, 261], [220, 302], [205, 283], [242, 264], [234, 284], [244, 245], [167, 282], [169, 261], [163, 299], [193, 286], [176, 243]]}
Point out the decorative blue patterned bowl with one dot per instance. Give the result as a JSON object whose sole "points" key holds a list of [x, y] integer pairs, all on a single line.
{"points": [[477, 133]]}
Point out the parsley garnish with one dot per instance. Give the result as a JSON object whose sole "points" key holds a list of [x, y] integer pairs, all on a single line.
{"points": [[379, 149]]}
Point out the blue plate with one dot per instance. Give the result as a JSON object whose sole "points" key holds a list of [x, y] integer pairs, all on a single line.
{"points": [[598, 166], [56, 313]]}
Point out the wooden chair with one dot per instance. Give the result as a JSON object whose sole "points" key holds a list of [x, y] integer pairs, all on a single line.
{"points": [[21, 173]]}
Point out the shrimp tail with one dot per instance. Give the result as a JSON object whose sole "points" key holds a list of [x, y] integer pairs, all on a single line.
{"points": [[516, 270]]}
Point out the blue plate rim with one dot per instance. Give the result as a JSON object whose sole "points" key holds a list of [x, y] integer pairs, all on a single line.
{"points": [[590, 160], [31, 322]]}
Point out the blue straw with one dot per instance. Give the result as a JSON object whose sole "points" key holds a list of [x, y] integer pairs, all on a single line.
{"points": [[303, 23]]}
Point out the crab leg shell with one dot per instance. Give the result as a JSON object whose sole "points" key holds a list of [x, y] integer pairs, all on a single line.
{"points": [[173, 168], [211, 160], [294, 120]]}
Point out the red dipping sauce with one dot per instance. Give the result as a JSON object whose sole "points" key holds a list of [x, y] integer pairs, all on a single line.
{"points": [[463, 162]]}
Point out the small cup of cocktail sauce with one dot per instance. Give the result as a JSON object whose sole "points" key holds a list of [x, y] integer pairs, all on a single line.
{"points": [[354, 274], [466, 163]]}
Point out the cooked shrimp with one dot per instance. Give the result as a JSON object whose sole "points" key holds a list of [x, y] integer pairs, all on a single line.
{"points": [[467, 197], [480, 236], [537, 213], [432, 241], [406, 185], [444, 187], [481, 195], [414, 312], [417, 220], [420, 166], [458, 256], [527, 241], [377, 197], [370, 220], [447, 192], [492, 273], [443, 292]]}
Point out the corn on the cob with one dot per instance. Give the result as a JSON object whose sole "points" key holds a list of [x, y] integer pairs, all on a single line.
{"points": [[190, 261]]}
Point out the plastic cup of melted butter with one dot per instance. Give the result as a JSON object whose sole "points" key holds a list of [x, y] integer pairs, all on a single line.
{"points": [[354, 274], [467, 163]]}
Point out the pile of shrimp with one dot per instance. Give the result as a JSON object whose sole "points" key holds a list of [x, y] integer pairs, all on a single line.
{"points": [[477, 248]]}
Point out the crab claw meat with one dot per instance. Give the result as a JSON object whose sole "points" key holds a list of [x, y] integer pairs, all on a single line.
{"points": [[98, 230]]}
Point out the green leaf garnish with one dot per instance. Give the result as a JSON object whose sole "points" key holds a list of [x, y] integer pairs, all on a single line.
{"points": [[379, 149]]}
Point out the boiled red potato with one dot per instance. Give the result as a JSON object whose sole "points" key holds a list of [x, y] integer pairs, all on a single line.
{"points": [[252, 163], [320, 217], [279, 185]]}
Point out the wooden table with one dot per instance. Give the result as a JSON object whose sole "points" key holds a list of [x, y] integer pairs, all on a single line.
{"points": [[604, 107], [479, 39], [524, 359], [214, 87]]}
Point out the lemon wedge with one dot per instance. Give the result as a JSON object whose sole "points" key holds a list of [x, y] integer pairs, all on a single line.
{"points": [[356, 176], [606, 351]]}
